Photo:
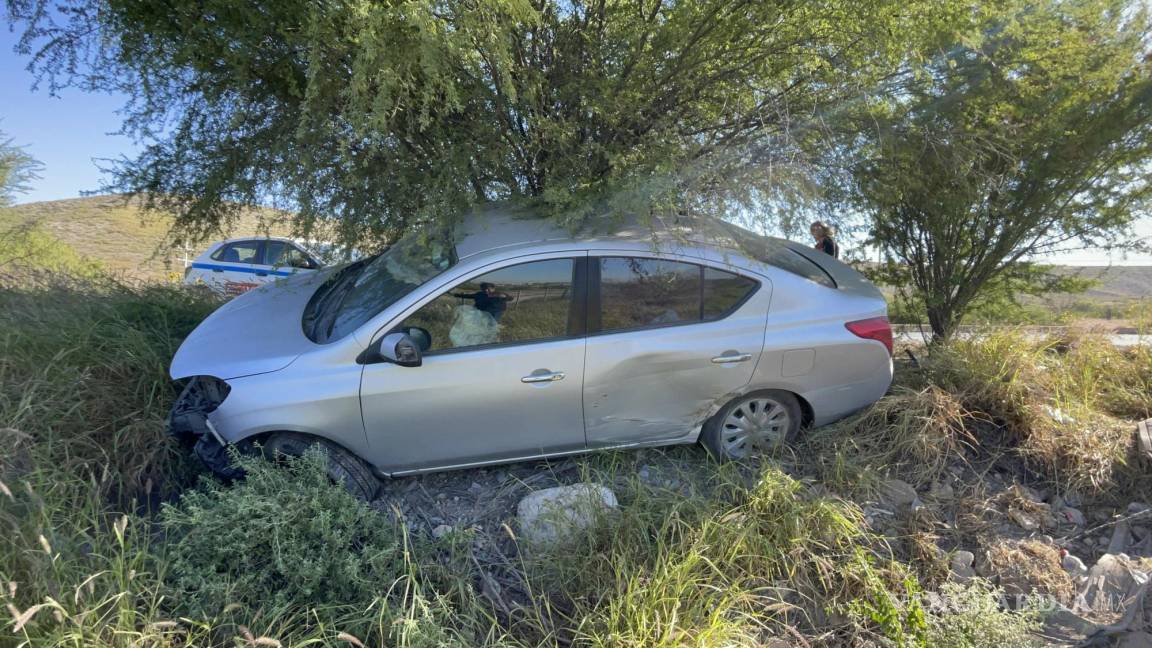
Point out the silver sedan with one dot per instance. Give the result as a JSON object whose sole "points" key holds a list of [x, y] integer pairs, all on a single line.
{"points": [[506, 339]]}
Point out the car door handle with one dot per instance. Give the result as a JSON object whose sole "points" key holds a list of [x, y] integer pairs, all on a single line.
{"points": [[551, 376], [217, 270], [261, 274], [732, 357]]}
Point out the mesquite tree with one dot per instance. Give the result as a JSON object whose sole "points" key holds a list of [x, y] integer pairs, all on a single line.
{"points": [[1032, 136], [377, 114]]}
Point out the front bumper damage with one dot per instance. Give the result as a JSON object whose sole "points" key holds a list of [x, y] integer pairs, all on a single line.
{"points": [[189, 423]]}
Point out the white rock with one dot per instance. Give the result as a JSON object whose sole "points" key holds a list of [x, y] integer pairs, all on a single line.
{"points": [[898, 492], [1057, 415], [1023, 520], [961, 566], [550, 515], [441, 531], [1110, 582]]}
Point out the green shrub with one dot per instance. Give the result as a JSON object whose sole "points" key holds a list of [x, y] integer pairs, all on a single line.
{"points": [[283, 538], [26, 248], [722, 567], [971, 617]]}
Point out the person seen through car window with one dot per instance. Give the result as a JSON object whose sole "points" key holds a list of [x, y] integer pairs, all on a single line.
{"points": [[489, 300]]}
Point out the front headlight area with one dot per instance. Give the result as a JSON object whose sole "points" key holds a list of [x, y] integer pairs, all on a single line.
{"points": [[188, 419]]}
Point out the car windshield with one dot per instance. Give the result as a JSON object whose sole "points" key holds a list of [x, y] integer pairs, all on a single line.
{"points": [[363, 289]]}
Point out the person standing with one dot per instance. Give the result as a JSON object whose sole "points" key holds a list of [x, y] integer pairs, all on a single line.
{"points": [[823, 232]]}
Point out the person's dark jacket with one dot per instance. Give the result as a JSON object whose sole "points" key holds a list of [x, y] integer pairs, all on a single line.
{"points": [[829, 247]]}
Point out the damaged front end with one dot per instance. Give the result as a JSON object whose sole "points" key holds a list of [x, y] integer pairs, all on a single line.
{"points": [[188, 422]]}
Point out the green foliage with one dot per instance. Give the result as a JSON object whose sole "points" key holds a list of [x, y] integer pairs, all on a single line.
{"points": [[903, 623], [729, 555], [383, 114], [283, 537], [84, 364], [717, 568], [1031, 135], [972, 617], [17, 168], [27, 248]]}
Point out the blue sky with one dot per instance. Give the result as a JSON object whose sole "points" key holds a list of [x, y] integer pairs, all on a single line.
{"points": [[66, 133], [70, 132]]}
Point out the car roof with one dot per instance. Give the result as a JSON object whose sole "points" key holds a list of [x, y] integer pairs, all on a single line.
{"points": [[503, 227], [241, 239]]}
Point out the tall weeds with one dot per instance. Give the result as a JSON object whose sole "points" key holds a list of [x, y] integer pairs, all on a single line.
{"points": [[741, 553]]}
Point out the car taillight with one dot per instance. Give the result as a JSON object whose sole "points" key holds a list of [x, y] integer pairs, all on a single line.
{"points": [[875, 328]]}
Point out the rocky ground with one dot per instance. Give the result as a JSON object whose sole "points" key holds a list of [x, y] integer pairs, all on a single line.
{"points": [[1088, 561]]}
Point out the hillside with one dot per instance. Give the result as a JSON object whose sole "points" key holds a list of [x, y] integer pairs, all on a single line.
{"points": [[1115, 283], [120, 235]]}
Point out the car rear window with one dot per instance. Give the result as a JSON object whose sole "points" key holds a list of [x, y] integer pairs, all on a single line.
{"points": [[638, 293], [798, 264]]}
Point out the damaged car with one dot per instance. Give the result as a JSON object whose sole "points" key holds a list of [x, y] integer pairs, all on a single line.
{"points": [[506, 338]]}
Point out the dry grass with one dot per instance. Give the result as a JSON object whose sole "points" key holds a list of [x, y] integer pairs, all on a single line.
{"points": [[913, 433], [1068, 405], [1027, 567], [735, 555]]}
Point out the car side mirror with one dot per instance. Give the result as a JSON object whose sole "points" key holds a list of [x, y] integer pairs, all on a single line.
{"points": [[399, 348]]}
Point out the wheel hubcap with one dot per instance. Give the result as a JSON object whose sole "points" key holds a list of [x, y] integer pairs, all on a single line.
{"points": [[759, 423]]}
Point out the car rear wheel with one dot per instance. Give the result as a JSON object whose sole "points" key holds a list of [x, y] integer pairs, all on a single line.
{"points": [[761, 421], [344, 468]]}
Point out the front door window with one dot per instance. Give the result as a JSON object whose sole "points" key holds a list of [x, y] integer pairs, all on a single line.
{"points": [[521, 303]]}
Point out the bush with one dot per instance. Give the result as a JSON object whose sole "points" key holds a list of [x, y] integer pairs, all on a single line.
{"points": [[284, 538], [971, 616]]}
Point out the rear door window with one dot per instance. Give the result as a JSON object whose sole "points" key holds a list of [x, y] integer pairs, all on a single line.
{"points": [[238, 252], [638, 293]]}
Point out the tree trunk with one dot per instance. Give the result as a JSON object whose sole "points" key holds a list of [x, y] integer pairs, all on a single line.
{"points": [[943, 322]]}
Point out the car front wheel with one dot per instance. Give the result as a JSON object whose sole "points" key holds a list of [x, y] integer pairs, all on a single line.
{"points": [[343, 467], [761, 421]]}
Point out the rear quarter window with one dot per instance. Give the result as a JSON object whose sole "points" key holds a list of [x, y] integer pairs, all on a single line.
{"points": [[724, 292]]}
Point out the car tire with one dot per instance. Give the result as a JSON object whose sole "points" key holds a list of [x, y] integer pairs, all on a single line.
{"points": [[766, 419], [344, 468]]}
